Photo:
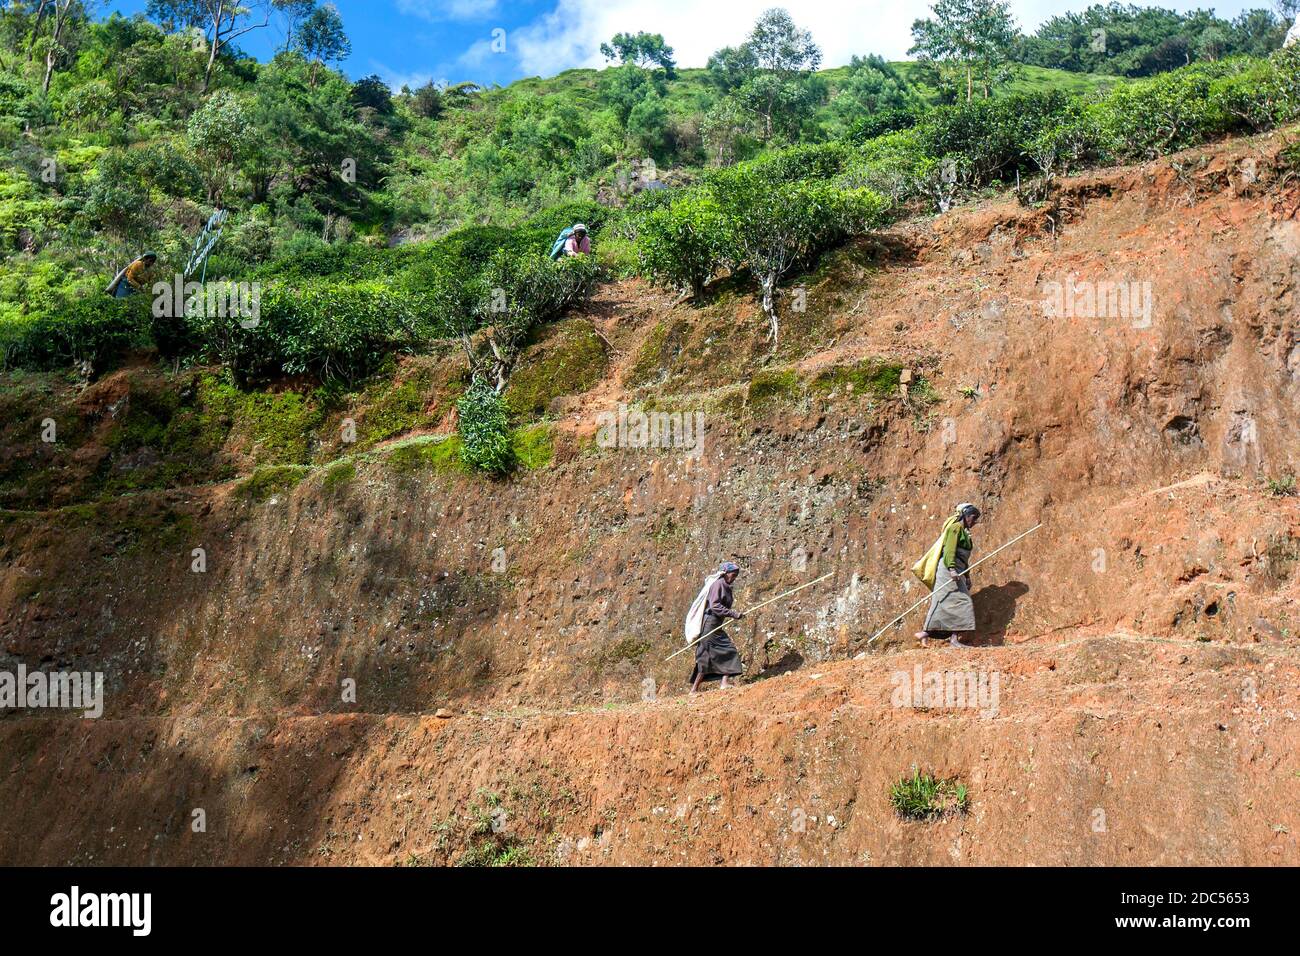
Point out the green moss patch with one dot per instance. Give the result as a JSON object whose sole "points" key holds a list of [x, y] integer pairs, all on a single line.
{"points": [[533, 446], [651, 358], [398, 408], [568, 361], [338, 475], [777, 386], [427, 454], [275, 428], [272, 480], [193, 432], [875, 377], [414, 395]]}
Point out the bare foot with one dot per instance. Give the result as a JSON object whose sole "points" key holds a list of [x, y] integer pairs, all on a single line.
{"points": [[952, 639]]}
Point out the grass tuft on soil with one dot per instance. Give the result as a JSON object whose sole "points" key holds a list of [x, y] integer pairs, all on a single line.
{"points": [[923, 796]]}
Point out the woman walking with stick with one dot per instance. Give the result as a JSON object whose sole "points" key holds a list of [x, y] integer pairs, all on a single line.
{"points": [[951, 609], [715, 655]]}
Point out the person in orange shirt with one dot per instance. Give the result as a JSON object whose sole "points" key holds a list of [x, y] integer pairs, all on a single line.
{"points": [[135, 277]]}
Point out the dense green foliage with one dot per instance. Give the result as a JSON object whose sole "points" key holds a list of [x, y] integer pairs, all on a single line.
{"points": [[767, 216], [1128, 40], [485, 429], [372, 223]]}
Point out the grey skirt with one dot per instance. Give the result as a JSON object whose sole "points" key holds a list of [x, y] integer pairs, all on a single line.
{"points": [[951, 607]]}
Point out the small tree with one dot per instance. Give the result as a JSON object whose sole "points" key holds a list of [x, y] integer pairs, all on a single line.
{"points": [[372, 93], [731, 66], [646, 50], [321, 39], [872, 87], [974, 37], [64, 15], [783, 56], [626, 87], [427, 101], [221, 132], [221, 20], [775, 225], [514, 293], [724, 130], [781, 47], [682, 245], [647, 124], [292, 14]]}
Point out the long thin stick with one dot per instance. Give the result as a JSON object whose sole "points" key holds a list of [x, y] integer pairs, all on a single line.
{"points": [[750, 611], [952, 581]]}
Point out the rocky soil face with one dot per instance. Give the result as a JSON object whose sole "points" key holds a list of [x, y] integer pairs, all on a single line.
{"points": [[1121, 365]]}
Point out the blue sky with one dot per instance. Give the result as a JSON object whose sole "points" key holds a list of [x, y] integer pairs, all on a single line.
{"points": [[414, 41]]}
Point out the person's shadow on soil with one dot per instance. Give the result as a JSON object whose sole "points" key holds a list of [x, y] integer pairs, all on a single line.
{"points": [[995, 606], [791, 661]]}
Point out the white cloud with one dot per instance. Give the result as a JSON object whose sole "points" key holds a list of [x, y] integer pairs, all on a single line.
{"points": [[570, 34], [476, 54], [397, 79], [435, 10]]}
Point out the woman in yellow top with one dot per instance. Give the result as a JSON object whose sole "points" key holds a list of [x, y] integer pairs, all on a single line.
{"points": [[135, 277], [951, 609]]}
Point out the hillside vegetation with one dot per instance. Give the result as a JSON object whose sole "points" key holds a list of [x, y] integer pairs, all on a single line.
{"points": [[373, 225], [393, 569]]}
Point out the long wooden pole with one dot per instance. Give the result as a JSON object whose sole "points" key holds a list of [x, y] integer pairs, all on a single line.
{"points": [[951, 581], [750, 611]]}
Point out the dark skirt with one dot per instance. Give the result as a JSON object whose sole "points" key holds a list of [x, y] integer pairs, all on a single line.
{"points": [[715, 656]]}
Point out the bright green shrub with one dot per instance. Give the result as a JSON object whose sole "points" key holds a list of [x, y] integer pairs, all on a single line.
{"points": [[874, 125], [326, 329], [820, 161], [340, 261], [474, 245], [1067, 141], [551, 221], [773, 226], [484, 425], [24, 206], [893, 166], [627, 222], [1161, 115], [94, 329], [986, 139], [445, 294], [683, 245], [1260, 94], [515, 293]]}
